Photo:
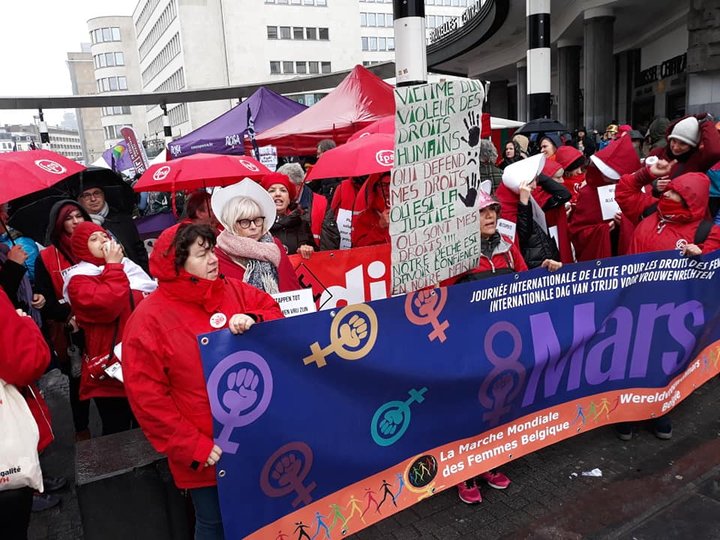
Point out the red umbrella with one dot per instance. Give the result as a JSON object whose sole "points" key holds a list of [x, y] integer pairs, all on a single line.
{"points": [[384, 125], [199, 171], [374, 153], [22, 173]]}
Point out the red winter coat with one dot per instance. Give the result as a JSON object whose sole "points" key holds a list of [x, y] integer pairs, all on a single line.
{"points": [[589, 234], [656, 233], [698, 159], [161, 360], [99, 303], [366, 229], [287, 278], [24, 356]]}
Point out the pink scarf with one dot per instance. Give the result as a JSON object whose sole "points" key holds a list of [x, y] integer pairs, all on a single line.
{"points": [[238, 247]]}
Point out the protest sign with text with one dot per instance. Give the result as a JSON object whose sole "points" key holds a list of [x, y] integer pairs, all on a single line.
{"points": [[346, 276], [347, 416], [434, 224]]}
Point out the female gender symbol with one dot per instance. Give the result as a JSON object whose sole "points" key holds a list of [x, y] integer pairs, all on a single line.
{"points": [[347, 325], [391, 415], [285, 470], [234, 417], [429, 305]]}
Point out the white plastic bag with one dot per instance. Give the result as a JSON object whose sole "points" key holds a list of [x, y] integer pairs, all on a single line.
{"points": [[19, 436]]}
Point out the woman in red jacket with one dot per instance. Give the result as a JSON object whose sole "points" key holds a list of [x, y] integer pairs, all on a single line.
{"points": [[371, 225], [58, 320], [103, 289], [24, 356], [246, 250], [669, 224], [161, 359]]}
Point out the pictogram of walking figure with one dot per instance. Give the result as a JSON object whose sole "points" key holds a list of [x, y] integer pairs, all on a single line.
{"points": [[386, 492], [354, 502], [321, 525], [370, 499], [301, 527]]}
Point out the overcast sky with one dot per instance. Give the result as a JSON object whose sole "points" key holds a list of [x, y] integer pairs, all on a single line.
{"points": [[36, 37]]}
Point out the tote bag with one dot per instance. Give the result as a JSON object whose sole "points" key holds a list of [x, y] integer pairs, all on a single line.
{"points": [[19, 436]]}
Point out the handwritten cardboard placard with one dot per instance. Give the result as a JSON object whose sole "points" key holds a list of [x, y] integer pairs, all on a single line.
{"points": [[434, 226]]}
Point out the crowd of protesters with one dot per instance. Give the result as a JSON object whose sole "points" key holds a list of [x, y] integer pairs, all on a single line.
{"points": [[99, 300]]}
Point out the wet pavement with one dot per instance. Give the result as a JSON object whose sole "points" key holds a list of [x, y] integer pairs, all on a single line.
{"points": [[649, 488]]}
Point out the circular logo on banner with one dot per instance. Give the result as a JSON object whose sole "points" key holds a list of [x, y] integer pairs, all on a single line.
{"points": [[240, 388], [385, 157], [161, 173], [218, 320], [50, 166], [680, 244], [248, 165], [175, 150]]}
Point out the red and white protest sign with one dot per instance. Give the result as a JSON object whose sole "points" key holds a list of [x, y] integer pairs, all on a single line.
{"points": [[344, 277]]}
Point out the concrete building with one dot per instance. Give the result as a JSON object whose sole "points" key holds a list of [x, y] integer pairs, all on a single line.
{"points": [[624, 60], [191, 45], [117, 69], [82, 77], [21, 137]]}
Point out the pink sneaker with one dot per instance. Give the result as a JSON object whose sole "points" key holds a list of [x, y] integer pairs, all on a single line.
{"points": [[469, 492], [495, 479]]}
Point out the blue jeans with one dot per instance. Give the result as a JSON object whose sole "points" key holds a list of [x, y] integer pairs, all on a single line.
{"points": [[208, 521]]}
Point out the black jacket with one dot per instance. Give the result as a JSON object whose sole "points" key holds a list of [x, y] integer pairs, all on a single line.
{"points": [[535, 244], [293, 231], [124, 230]]}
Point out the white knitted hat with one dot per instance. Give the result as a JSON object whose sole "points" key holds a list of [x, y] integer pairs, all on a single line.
{"points": [[687, 130]]}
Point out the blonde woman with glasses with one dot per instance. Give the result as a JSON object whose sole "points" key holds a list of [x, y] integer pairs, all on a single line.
{"points": [[245, 248]]}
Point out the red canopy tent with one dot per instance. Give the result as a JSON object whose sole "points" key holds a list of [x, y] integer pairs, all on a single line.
{"points": [[360, 99]]}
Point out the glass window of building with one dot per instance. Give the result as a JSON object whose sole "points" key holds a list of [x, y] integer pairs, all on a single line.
{"points": [[288, 67], [298, 32], [325, 67], [300, 68], [272, 32], [364, 43], [284, 32], [274, 67], [324, 33], [115, 34], [314, 67]]}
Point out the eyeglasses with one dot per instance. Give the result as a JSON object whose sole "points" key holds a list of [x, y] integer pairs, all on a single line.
{"points": [[92, 194], [245, 223]]}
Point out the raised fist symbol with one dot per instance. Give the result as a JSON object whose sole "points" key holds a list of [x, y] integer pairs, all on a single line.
{"points": [[424, 302], [241, 393], [353, 331], [391, 422], [472, 124], [472, 185], [286, 469]]}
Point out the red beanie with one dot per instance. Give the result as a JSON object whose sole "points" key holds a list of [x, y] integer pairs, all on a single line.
{"points": [[567, 156], [79, 242], [279, 178]]}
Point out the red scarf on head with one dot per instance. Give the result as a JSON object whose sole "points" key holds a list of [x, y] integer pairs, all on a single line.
{"points": [[79, 242], [63, 238], [674, 210]]}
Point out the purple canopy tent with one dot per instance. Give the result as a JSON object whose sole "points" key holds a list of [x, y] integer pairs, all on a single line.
{"points": [[225, 134]]}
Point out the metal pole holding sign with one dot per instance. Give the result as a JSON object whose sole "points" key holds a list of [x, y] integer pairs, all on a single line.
{"points": [[410, 55]]}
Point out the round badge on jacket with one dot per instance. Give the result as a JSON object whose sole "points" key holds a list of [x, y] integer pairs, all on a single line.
{"points": [[218, 320]]}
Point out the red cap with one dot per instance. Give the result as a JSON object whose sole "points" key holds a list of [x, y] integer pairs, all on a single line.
{"points": [[279, 178]]}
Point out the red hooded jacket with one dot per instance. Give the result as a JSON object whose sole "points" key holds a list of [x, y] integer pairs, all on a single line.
{"points": [[366, 230], [24, 356], [102, 306], [161, 359], [657, 232]]}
